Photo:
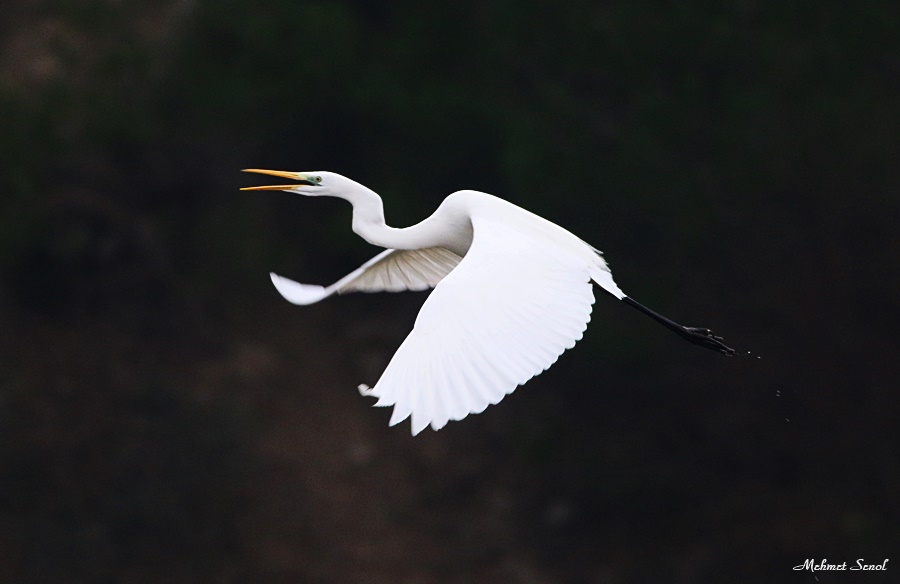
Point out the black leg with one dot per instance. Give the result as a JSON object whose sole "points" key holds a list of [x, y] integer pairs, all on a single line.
{"points": [[697, 335]]}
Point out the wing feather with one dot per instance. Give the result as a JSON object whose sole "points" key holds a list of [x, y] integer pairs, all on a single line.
{"points": [[390, 271], [506, 313]]}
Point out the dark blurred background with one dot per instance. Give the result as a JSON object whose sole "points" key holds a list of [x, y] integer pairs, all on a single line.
{"points": [[166, 417]]}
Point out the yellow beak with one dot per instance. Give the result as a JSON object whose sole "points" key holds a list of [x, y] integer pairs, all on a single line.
{"points": [[298, 176]]}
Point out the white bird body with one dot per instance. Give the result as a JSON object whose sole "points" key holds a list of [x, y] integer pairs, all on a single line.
{"points": [[512, 292]]}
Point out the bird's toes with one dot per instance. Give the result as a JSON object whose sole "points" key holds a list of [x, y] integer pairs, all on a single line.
{"points": [[706, 338]]}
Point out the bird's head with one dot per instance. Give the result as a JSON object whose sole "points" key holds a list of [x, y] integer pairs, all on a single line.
{"points": [[313, 184]]}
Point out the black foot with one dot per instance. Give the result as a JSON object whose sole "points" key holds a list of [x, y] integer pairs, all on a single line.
{"points": [[697, 335], [705, 338]]}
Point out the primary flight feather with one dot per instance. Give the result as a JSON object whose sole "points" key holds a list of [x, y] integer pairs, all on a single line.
{"points": [[512, 292]]}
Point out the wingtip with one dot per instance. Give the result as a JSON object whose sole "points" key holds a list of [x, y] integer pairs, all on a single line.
{"points": [[297, 293]]}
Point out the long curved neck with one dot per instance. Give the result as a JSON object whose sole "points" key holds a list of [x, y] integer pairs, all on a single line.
{"points": [[368, 222]]}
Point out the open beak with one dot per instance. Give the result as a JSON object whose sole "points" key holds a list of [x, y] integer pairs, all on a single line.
{"points": [[301, 179]]}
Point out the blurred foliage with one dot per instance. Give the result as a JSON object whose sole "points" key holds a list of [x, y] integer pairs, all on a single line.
{"points": [[737, 162]]}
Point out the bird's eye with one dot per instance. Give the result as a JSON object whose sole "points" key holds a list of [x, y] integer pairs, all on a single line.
{"points": [[317, 179]]}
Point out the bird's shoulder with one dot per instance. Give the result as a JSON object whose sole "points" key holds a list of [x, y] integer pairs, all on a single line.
{"points": [[466, 199], [472, 203], [503, 223]]}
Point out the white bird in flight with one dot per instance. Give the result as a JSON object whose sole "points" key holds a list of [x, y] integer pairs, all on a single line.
{"points": [[512, 292]]}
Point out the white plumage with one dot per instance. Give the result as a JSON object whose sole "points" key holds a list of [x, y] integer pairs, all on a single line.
{"points": [[390, 271], [505, 314], [512, 292]]}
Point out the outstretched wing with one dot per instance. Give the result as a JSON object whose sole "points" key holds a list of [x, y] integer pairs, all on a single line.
{"points": [[392, 270], [514, 304]]}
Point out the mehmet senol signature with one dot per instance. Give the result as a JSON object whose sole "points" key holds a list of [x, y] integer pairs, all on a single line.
{"points": [[824, 566]]}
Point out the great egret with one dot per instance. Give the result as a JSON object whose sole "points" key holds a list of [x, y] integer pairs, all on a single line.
{"points": [[512, 292]]}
